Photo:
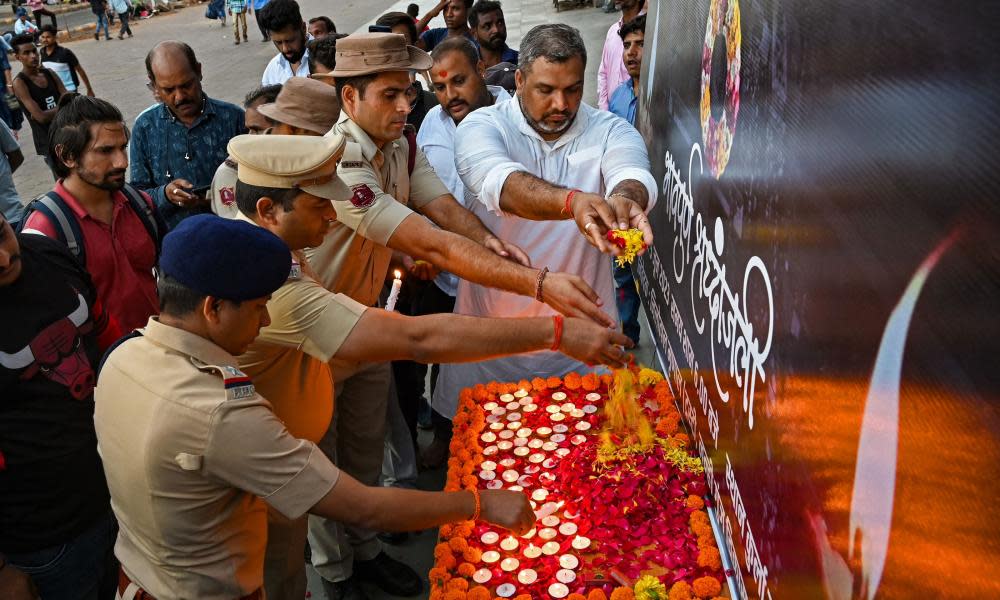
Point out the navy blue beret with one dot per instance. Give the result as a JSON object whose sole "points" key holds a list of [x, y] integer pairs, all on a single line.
{"points": [[226, 258]]}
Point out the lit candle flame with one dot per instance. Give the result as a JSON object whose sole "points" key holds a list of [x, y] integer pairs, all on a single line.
{"points": [[397, 273]]}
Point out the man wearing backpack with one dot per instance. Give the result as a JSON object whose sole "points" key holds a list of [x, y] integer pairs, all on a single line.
{"points": [[112, 228]]}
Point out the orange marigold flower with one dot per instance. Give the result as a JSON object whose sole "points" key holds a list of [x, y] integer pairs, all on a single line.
{"points": [[606, 379], [470, 481], [522, 597], [706, 541], [683, 439], [445, 531], [478, 593], [666, 427], [553, 382], [709, 558], [448, 561], [575, 596], [454, 594], [706, 587], [590, 382], [438, 576], [466, 569], [458, 544], [701, 529], [510, 388], [464, 455], [464, 529], [695, 502], [698, 516], [572, 381], [473, 555], [622, 593], [597, 594], [442, 549], [680, 591], [479, 392], [493, 387], [524, 384], [458, 584], [538, 384]]}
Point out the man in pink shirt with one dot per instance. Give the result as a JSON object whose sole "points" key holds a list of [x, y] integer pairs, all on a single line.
{"points": [[611, 73], [114, 230]]}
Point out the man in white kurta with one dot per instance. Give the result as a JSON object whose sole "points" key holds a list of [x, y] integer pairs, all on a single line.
{"points": [[561, 144]]}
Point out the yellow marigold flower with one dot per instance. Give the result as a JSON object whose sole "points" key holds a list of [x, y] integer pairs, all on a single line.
{"points": [[629, 241], [650, 588]]}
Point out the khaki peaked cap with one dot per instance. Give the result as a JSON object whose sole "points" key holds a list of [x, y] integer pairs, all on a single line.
{"points": [[368, 53], [305, 162], [305, 103]]}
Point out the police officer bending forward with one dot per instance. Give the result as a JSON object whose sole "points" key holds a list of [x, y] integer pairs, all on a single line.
{"points": [[192, 452]]}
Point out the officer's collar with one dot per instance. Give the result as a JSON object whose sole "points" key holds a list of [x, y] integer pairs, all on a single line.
{"points": [[359, 135], [187, 343]]}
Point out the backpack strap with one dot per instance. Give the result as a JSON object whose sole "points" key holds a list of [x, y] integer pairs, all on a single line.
{"points": [[410, 132], [155, 226], [61, 216]]}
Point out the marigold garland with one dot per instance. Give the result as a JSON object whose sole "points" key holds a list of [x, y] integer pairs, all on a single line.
{"points": [[706, 587]]}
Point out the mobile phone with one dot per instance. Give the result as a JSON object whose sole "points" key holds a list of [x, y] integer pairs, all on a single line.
{"points": [[379, 29], [200, 191]]}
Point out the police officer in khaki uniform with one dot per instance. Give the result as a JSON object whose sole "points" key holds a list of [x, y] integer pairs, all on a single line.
{"points": [[393, 189], [193, 454], [310, 325]]}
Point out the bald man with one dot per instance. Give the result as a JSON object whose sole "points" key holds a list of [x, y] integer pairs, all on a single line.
{"points": [[177, 144]]}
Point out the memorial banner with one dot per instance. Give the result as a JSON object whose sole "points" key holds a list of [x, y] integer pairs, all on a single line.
{"points": [[824, 287]]}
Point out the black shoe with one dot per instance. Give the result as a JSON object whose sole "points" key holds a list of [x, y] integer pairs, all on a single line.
{"points": [[394, 538], [349, 589], [390, 575]]}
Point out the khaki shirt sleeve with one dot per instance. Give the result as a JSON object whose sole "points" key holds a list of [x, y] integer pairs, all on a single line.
{"points": [[425, 185], [374, 218], [248, 448], [307, 316]]}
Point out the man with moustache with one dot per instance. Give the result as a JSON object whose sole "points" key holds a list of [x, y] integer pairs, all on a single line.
{"points": [[282, 20], [177, 145], [112, 228], [490, 31], [553, 174]]}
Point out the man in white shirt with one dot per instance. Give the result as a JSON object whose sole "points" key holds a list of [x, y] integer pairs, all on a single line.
{"points": [[282, 21], [596, 177], [457, 79]]}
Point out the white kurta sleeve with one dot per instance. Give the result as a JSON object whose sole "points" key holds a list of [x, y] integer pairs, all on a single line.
{"points": [[483, 158], [625, 157]]}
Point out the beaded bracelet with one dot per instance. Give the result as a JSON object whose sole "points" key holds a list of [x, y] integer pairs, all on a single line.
{"points": [[538, 283]]}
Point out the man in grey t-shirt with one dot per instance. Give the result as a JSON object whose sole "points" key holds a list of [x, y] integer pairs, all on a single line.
{"points": [[10, 202]]}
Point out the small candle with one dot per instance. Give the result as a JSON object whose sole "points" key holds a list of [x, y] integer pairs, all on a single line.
{"points": [[520, 441], [582, 426], [558, 396], [548, 508], [552, 409], [524, 481], [513, 406], [514, 417], [565, 576], [590, 409], [520, 393], [581, 542], [506, 398], [482, 576], [544, 431], [505, 445], [536, 457], [497, 426], [491, 556], [550, 521], [514, 425], [394, 292], [532, 469], [499, 411], [558, 438], [568, 407], [560, 428], [506, 590], [550, 463], [509, 564], [489, 406], [530, 407], [487, 475], [527, 576], [558, 590], [496, 484], [532, 551], [546, 477], [490, 537], [578, 439], [557, 417], [535, 443], [488, 437], [490, 450], [529, 535], [516, 488], [524, 432], [562, 452], [488, 465], [506, 434], [577, 413], [510, 476], [593, 397], [547, 534], [522, 451], [568, 561], [508, 462], [539, 494], [549, 446], [550, 548], [509, 543], [525, 401]]}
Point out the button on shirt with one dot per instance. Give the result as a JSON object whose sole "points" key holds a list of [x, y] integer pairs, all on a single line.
{"points": [[288, 360], [436, 139], [120, 257], [192, 453], [623, 102], [279, 70], [595, 154], [163, 149]]}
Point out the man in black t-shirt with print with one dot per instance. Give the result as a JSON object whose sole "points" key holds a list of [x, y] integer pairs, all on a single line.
{"points": [[57, 531], [62, 62]]}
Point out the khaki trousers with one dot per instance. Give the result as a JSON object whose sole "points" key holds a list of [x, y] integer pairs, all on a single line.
{"points": [[240, 17], [355, 442]]}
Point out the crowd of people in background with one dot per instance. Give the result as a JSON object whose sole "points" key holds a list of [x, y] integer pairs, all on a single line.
{"points": [[210, 278]]}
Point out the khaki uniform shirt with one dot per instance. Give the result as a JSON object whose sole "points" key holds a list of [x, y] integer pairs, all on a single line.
{"points": [[354, 257], [192, 453], [288, 360]]}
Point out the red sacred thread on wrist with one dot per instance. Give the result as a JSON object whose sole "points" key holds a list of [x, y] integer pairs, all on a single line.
{"points": [[568, 207], [557, 322], [475, 496]]}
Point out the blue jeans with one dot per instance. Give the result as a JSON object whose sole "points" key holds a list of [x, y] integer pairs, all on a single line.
{"points": [[628, 302], [102, 22], [84, 568]]}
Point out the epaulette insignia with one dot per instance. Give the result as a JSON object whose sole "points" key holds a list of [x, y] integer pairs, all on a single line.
{"points": [[238, 384]]}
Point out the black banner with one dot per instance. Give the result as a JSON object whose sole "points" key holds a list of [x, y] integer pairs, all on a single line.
{"points": [[823, 288]]}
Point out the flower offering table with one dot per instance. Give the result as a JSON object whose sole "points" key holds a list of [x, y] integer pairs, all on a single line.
{"points": [[617, 491]]}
